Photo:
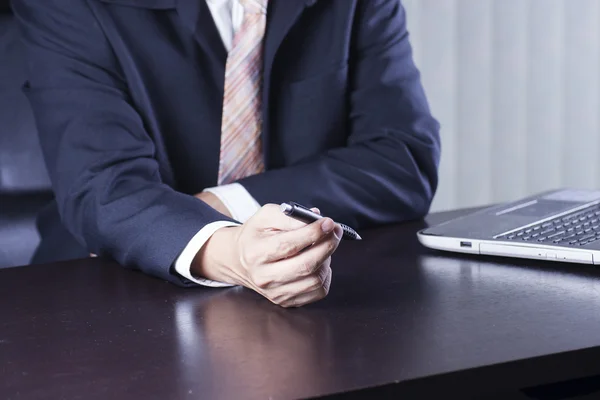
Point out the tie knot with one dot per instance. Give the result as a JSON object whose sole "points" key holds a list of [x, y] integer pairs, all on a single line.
{"points": [[254, 6]]}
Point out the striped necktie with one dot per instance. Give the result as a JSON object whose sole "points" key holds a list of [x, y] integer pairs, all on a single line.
{"points": [[241, 124]]}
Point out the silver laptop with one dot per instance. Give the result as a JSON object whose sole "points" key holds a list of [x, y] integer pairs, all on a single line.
{"points": [[561, 225]]}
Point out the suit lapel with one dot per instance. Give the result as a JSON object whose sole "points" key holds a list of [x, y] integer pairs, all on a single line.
{"points": [[196, 17], [281, 16]]}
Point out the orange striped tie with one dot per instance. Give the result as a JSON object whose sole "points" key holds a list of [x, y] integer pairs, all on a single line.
{"points": [[241, 125]]}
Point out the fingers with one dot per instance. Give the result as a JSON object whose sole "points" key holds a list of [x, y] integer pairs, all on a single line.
{"points": [[290, 243], [275, 275], [285, 260], [304, 299], [306, 290], [308, 261], [294, 269]]}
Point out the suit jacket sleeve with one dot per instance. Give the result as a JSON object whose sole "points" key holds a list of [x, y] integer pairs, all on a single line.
{"points": [[388, 170], [99, 157]]}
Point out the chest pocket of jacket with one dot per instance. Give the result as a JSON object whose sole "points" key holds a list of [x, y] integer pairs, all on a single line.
{"points": [[312, 115]]}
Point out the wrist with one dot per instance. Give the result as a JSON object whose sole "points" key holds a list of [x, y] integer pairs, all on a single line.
{"points": [[212, 200], [217, 259]]}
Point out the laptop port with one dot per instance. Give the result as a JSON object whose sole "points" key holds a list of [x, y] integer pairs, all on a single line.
{"points": [[466, 244]]}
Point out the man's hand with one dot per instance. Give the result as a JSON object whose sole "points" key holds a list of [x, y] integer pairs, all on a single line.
{"points": [[284, 260], [213, 201]]}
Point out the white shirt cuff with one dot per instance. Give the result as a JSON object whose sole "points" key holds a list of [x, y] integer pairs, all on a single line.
{"points": [[238, 201], [183, 263]]}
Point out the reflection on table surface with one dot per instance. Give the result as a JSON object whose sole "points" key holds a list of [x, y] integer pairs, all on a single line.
{"points": [[251, 344]]}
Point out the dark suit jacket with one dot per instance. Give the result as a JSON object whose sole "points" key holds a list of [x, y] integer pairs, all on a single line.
{"points": [[127, 96]]}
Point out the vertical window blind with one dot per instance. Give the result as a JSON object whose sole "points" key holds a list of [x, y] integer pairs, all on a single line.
{"points": [[515, 85]]}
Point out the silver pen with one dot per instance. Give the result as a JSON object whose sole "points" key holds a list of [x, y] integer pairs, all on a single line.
{"points": [[304, 214]]}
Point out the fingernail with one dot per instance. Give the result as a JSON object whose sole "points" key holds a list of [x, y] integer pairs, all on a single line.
{"points": [[338, 231], [327, 225]]}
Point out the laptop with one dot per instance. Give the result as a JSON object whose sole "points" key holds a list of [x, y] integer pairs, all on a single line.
{"points": [[559, 225]]}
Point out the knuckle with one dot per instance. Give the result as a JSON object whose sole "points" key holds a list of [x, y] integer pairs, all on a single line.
{"points": [[272, 254], [307, 267], [272, 299], [333, 242], [314, 283], [330, 243], [288, 304], [326, 286], [262, 281], [269, 208], [316, 232], [247, 260], [279, 299], [330, 246], [282, 248], [278, 302], [254, 276], [263, 214], [247, 255], [323, 275], [255, 257]]}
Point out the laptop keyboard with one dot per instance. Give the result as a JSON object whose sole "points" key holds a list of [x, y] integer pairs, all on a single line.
{"points": [[575, 229]]}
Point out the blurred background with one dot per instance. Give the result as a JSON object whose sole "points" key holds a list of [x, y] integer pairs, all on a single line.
{"points": [[515, 85]]}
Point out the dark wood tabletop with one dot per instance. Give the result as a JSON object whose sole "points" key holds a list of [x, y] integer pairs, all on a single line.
{"points": [[399, 320]]}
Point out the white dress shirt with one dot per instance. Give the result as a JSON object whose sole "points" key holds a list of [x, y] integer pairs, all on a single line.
{"points": [[228, 16]]}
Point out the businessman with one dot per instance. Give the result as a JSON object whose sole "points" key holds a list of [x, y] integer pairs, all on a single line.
{"points": [[172, 128]]}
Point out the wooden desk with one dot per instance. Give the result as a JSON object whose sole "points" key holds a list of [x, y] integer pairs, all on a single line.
{"points": [[399, 320]]}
